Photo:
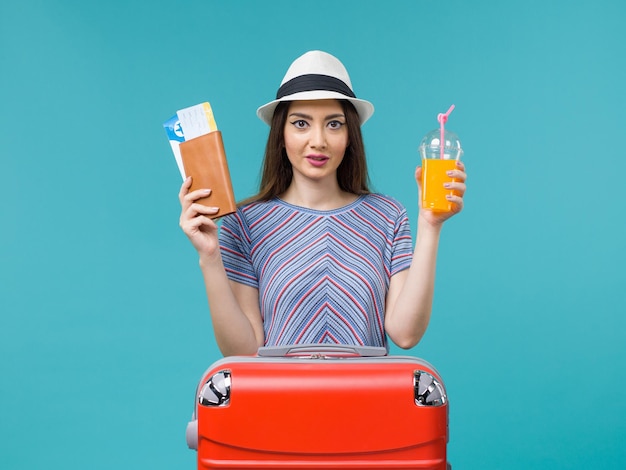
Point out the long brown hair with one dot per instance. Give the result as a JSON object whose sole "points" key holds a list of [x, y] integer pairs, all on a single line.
{"points": [[277, 172]]}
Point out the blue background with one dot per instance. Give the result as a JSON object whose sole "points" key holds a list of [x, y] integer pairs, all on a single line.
{"points": [[104, 329]]}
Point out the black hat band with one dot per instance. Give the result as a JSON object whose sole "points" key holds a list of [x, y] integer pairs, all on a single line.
{"points": [[313, 82]]}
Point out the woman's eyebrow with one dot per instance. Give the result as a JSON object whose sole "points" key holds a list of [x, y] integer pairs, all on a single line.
{"points": [[306, 116], [301, 115]]}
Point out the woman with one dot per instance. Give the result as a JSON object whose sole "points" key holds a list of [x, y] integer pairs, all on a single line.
{"points": [[315, 257]]}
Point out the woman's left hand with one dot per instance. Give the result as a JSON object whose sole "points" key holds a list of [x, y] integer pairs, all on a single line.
{"points": [[458, 186]]}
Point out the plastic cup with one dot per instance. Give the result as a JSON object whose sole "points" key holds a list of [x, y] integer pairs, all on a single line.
{"points": [[435, 167]]}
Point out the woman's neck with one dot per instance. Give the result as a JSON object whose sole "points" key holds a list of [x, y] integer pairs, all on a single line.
{"points": [[317, 197]]}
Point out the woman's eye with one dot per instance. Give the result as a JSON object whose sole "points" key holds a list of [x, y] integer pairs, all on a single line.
{"points": [[300, 123], [335, 124]]}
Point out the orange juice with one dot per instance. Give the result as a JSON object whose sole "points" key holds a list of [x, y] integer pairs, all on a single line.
{"points": [[433, 177]]}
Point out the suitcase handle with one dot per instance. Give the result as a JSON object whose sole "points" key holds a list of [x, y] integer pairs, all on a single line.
{"points": [[322, 350]]}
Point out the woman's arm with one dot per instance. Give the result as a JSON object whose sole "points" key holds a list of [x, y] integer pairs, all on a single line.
{"points": [[234, 307], [410, 296]]}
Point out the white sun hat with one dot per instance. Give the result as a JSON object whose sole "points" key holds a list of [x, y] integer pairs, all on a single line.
{"points": [[316, 75]]}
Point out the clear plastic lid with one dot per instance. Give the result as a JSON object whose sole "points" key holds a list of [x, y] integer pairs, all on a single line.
{"points": [[430, 147]]}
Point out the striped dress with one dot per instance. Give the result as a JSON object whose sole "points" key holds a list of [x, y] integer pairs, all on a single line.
{"points": [[322, 276]]}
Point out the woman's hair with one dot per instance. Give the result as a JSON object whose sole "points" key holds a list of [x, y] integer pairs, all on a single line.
{"points": [[277, 173]]}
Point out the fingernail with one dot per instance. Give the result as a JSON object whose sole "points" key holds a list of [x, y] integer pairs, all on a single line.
{"points": [[447, 185], [206, 191], [450, 172]]}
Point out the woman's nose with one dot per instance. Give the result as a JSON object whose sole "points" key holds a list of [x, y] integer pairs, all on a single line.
{"points": [[318, 137]]}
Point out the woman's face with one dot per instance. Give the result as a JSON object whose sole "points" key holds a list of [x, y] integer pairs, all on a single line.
{"points": [[316, 138]]}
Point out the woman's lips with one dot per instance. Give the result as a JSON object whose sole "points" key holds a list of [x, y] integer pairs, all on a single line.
{"points": [[317, 160]]}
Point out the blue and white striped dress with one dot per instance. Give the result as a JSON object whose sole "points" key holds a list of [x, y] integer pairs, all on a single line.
{"points": [[322, 276]]}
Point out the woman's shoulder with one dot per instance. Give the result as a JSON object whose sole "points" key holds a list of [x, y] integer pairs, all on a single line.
{"points": [[250, 211], [384, 203], [251, 206]]}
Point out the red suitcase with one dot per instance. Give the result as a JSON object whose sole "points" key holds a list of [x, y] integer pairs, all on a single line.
{"points": [[319, 406]]}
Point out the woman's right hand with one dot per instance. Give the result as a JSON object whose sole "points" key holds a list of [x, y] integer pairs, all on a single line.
{"points": [[195, 220]]}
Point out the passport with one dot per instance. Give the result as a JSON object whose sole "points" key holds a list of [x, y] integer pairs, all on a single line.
{"points": [[199, 151]]}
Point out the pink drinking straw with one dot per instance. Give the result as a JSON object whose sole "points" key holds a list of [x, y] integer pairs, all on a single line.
{"points": [[442, 118]]}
